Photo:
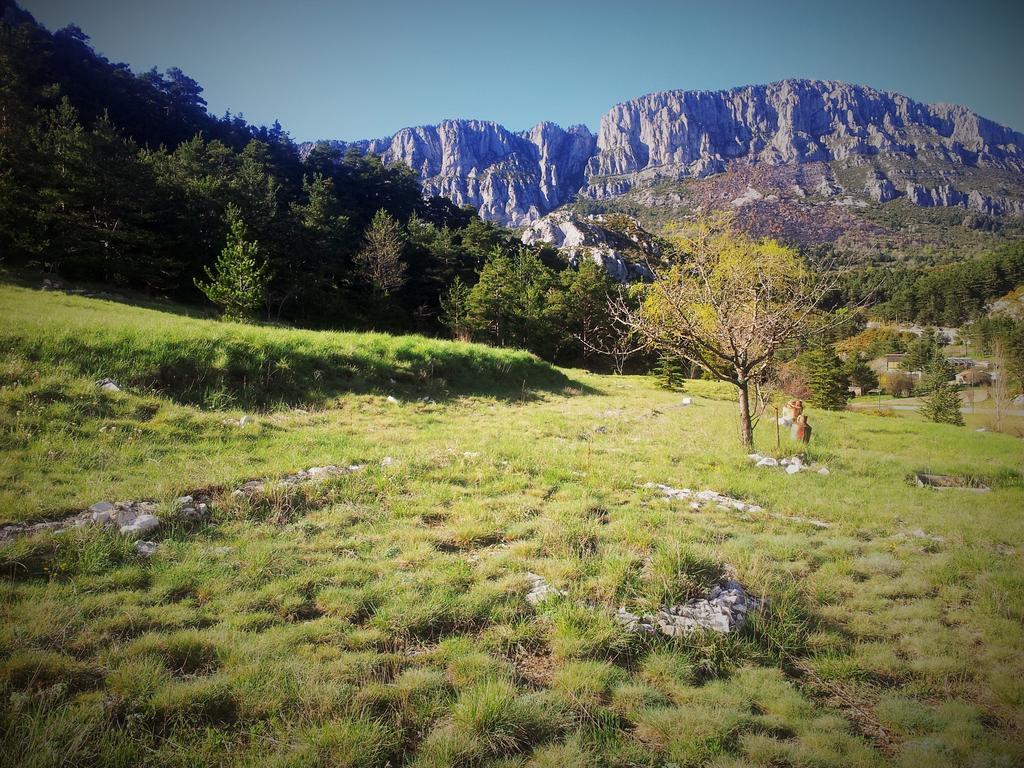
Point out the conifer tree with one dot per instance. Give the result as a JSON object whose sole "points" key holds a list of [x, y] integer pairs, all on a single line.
{"points": [[860, 374], [380, 261], [238, 281], [942, 402], [826, 379], [670, 373], [455, 309]]}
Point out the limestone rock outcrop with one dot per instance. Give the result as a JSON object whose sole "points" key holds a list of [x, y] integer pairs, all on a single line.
{"points": [[617, 243], [516, 178]]}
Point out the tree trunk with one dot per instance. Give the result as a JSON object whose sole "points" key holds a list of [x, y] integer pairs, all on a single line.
{"points": [[746, 430]]}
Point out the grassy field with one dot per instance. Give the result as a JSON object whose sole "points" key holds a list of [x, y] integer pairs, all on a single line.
{"points": [[380, 618]]}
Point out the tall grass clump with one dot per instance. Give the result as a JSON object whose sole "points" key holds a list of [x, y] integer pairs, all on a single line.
{"points": [[224, 364]]}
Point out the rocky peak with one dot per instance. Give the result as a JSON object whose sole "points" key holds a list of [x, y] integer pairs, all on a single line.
{"points": [[516, 178]]}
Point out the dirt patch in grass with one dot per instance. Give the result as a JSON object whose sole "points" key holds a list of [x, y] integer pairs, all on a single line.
{"points": [[946, 482]]}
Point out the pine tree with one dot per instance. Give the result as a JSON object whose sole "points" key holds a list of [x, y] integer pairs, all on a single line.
{"points": [[942, 403], [922, 352], [670, 373], [455, 309], [826, 378], [238, 282], [860, 373], [380, 260]]}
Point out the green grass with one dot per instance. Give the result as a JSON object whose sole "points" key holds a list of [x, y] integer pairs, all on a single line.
{"points": [[383, 620], [222, 365]]}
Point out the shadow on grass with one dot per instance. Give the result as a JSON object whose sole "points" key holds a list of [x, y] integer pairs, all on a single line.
{"points": [[217, 365]]}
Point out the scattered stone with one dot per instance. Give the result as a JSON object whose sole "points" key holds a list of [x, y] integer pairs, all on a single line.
{"points": [[392, 399], [723, 610], [601, 429], [918, 533], [540, 590], [792, 464], [108, 385], [145, 548], [131, 518], [387, 461], [470, 454], [699, 498], [190, 509], [313, 474], [686, 401], [245, 420]]}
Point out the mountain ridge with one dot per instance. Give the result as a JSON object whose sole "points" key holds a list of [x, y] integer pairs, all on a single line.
{"points": [[865, 144]]}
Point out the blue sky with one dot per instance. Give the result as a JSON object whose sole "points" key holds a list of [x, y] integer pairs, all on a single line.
{"points": [[353, 70]]}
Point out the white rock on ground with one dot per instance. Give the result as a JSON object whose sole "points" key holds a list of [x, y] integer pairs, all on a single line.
{"points": [[699, 498], [540, 590], [313, 474], [791, 464], [145, 548], [723, 610], [108, 385]]}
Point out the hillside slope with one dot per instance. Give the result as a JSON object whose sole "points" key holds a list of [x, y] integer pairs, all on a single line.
{"points": [[391, 615]]}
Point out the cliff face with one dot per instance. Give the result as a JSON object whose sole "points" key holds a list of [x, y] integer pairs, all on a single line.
{"points": [[912, 150], [679, 134], [509, 177]]}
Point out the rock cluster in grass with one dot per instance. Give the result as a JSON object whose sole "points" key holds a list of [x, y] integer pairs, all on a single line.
{"points": [[699, 498], [724, 610], [145, 548], [540, 590], [132, 518], [313, 474], [191, 509], [108, 385], [792, 464]]}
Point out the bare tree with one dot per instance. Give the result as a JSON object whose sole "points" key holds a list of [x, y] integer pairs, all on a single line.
{"points": [[728, 304], [613, 339], [999, 390], [380, 260]]}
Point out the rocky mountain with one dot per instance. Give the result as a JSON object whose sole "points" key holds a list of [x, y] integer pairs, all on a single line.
{"points": [[512, 178], [615, 242], [825, 151]]}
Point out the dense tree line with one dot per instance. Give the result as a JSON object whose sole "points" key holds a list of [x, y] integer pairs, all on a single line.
{"points": [[125, 179], [946, 295]]}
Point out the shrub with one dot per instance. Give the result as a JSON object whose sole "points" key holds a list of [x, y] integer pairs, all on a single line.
{"points": [[898, 384]]}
